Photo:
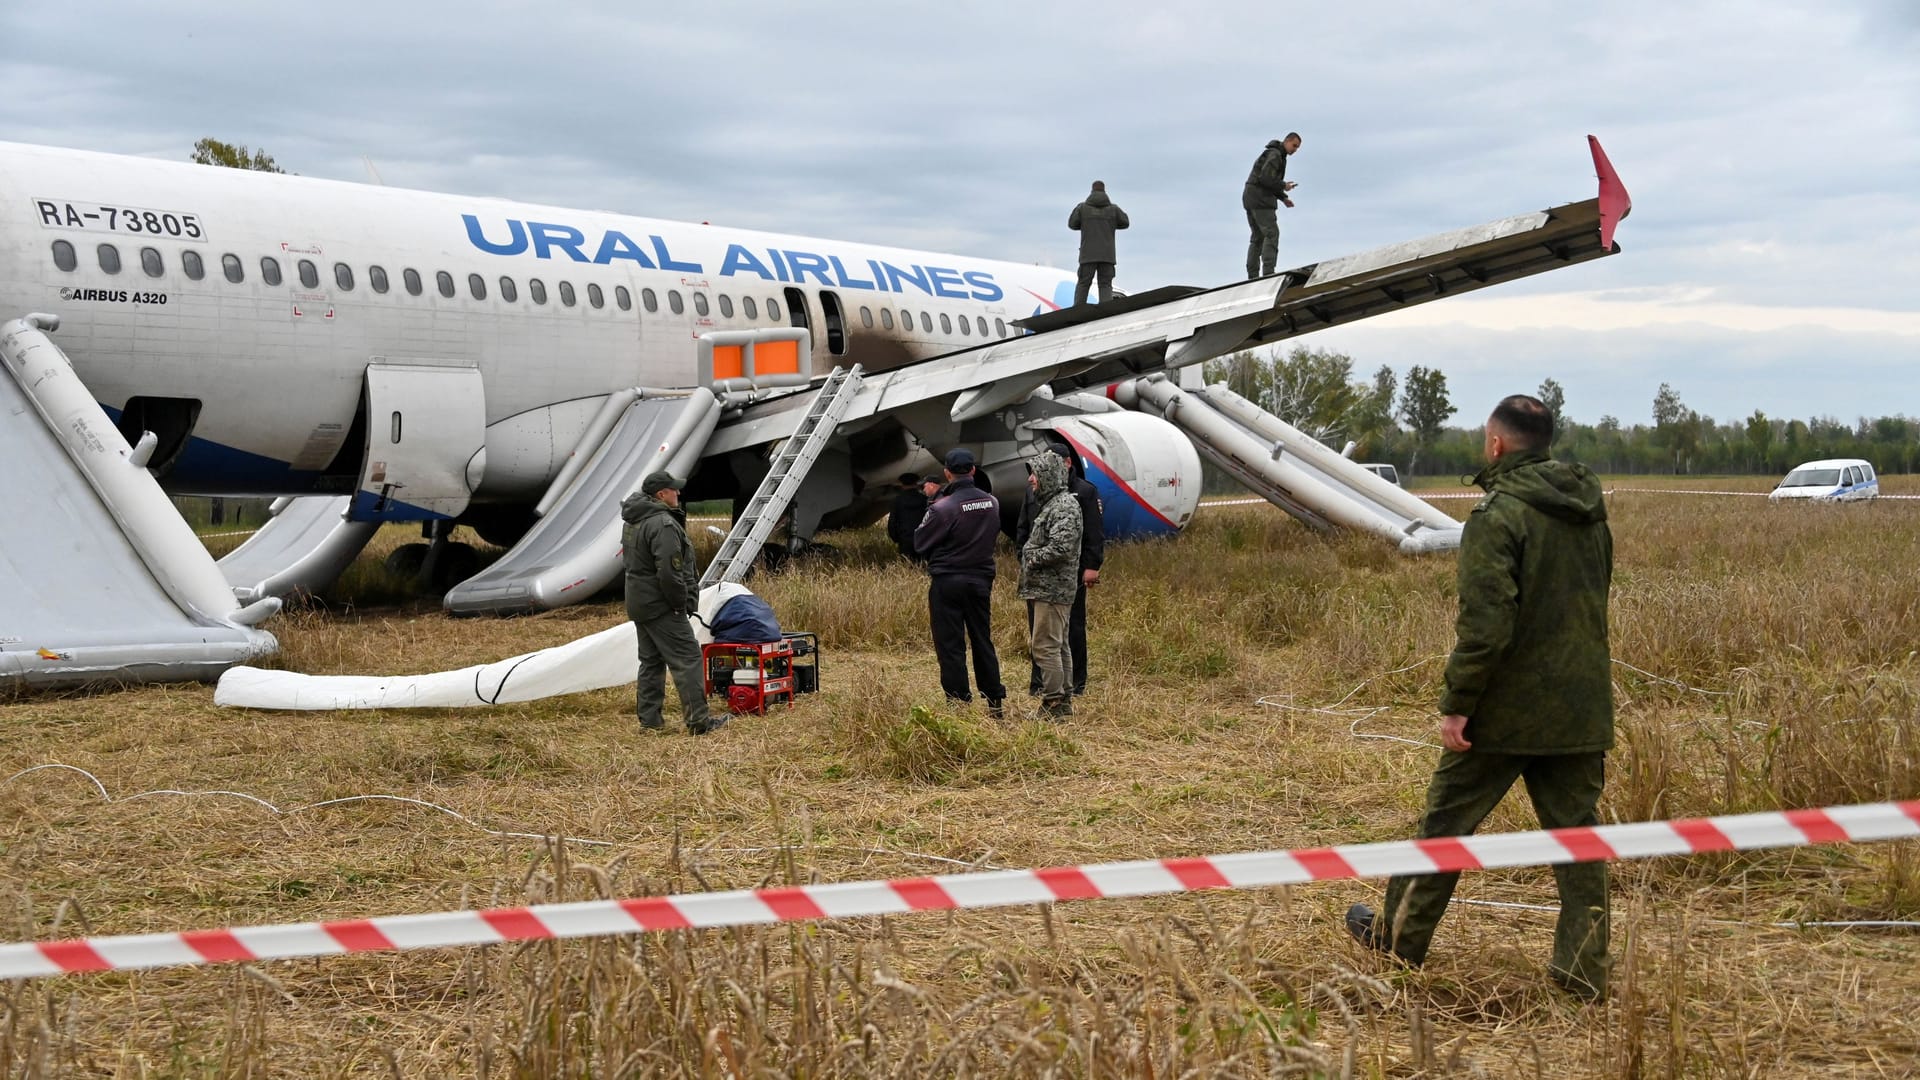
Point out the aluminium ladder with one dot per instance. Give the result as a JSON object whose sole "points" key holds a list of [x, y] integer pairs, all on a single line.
{"points": [[783, 480]]}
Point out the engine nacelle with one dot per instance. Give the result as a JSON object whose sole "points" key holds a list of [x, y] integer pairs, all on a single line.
{"points": [[1146, 470]]}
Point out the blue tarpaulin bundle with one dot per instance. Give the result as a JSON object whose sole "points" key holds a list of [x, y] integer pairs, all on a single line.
{"points": [[746, 619]]}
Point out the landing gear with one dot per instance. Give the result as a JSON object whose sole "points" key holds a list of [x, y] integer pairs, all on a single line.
{"points": [[435, 566]]}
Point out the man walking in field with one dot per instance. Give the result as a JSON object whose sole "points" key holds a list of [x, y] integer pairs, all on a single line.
{"points": [[1266, 189], [1528, 694], [662, 589], [1096, 219]]}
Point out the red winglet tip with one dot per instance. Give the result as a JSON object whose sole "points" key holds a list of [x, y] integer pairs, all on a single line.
{"points": [[1615, 203]]}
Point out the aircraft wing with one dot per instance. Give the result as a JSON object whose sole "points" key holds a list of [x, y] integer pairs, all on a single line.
{"points": [[1203, 325]]}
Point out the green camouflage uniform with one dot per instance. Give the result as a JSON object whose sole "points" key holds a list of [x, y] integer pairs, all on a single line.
{"points": [[662, 589], [1050, 577], [1530, 670]]}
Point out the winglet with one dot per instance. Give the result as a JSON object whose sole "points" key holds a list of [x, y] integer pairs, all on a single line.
{"points": [[1615, 203]]}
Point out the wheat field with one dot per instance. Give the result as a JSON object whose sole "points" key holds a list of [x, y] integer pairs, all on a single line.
{"points": [[1254, 686]]}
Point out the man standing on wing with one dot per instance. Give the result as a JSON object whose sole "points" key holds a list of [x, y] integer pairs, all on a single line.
{"points": [[1265, 191], [1529, 692], [662, 588], [1096, 219]]}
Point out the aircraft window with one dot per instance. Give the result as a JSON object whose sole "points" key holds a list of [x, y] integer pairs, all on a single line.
{"points": [[150, 262], [566, 293], [674, 303], [622, 297], [109, 258], [230, 266], [411, 277], [269, 269], [63, 256], [309, 274], [886, 318], [595, 296], [648, 300], [946, 324], [926, 323], [999, 328], [964, 325], [444, 282], [477, 285], [773, 310], [343, 276], [700, 304], [507, 290], [751, 309], [190, 262], [906, 320], [866, 316], [377, 277], [982, 320], [537, 289], [726, 305]]}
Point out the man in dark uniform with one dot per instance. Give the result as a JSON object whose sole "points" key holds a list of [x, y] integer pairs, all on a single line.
{"points": [[909, 506], [1529, 691], [662, 588], [957, 539], [1093, 553], [1096, 219], [1266, 189]]}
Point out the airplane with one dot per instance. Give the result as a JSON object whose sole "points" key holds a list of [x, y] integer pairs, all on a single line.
{"points": [[437, 358]]}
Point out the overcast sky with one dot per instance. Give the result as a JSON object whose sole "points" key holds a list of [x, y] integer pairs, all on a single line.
{"points": [[1772, 150]]}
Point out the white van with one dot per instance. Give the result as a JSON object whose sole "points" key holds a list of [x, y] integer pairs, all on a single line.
{"points": [[1838, 479], [1385, 472]]}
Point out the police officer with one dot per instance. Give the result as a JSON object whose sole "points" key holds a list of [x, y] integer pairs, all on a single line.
{"points": [[1093, 553], [957, 539], [1266, 189], [1528, 689], [662, 588]]}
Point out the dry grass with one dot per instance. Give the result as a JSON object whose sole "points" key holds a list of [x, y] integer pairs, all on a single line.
{"points": [[1800, 618]]}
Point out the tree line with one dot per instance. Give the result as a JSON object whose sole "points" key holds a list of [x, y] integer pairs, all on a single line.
{"points": [[1403, 421]]}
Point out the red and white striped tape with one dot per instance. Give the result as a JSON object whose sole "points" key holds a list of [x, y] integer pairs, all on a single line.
{"points": [[745, 907]]}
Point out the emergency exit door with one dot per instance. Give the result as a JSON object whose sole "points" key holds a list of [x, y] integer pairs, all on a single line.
{"points": [[425, 423]]}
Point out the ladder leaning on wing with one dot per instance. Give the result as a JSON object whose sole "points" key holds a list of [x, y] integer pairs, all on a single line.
{"points": [[784, 478]]}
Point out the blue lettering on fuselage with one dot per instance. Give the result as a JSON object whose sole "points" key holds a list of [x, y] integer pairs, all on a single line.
{"points": [[542, 239]]}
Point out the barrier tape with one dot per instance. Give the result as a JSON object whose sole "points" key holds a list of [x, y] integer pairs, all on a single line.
{"points": [[947, 892]]}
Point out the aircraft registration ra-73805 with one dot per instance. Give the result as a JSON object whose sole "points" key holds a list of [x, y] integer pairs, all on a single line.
{"points": [[446, 359]]}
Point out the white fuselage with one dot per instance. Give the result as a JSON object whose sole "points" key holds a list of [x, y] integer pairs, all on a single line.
{"points": [[552, 306]]}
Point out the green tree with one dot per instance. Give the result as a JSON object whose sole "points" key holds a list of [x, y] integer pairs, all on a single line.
{"points": [[1244, 372], [1373, 414], [1760, 437], [1554, 397], [1424, 407], [215, 152], [1312, 391]]}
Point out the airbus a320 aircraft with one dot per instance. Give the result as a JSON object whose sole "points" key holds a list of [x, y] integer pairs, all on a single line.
{"points": [[459, 360]]}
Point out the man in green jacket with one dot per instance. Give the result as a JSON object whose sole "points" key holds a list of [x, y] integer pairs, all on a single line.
{"points": [[1095, 219], [1529, 692], [1265, 190], [662, 589]]}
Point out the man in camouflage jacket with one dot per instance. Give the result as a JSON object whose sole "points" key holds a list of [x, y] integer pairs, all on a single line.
{"points": [[1529, 692], [663, 588], [1050, 577]]}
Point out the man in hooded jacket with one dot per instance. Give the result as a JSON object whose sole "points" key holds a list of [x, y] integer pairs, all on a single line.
{"points": [[1093, 553], [1049, 577], [662, 588], [1096, 219], [1265, 190], [1529, 693]]}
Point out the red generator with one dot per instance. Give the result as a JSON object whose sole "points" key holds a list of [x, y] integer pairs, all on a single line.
{"points": [[754, 676]]}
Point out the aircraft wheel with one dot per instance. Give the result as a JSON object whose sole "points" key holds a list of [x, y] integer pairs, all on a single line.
{"points": [[406, 560], [457, 563]]}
